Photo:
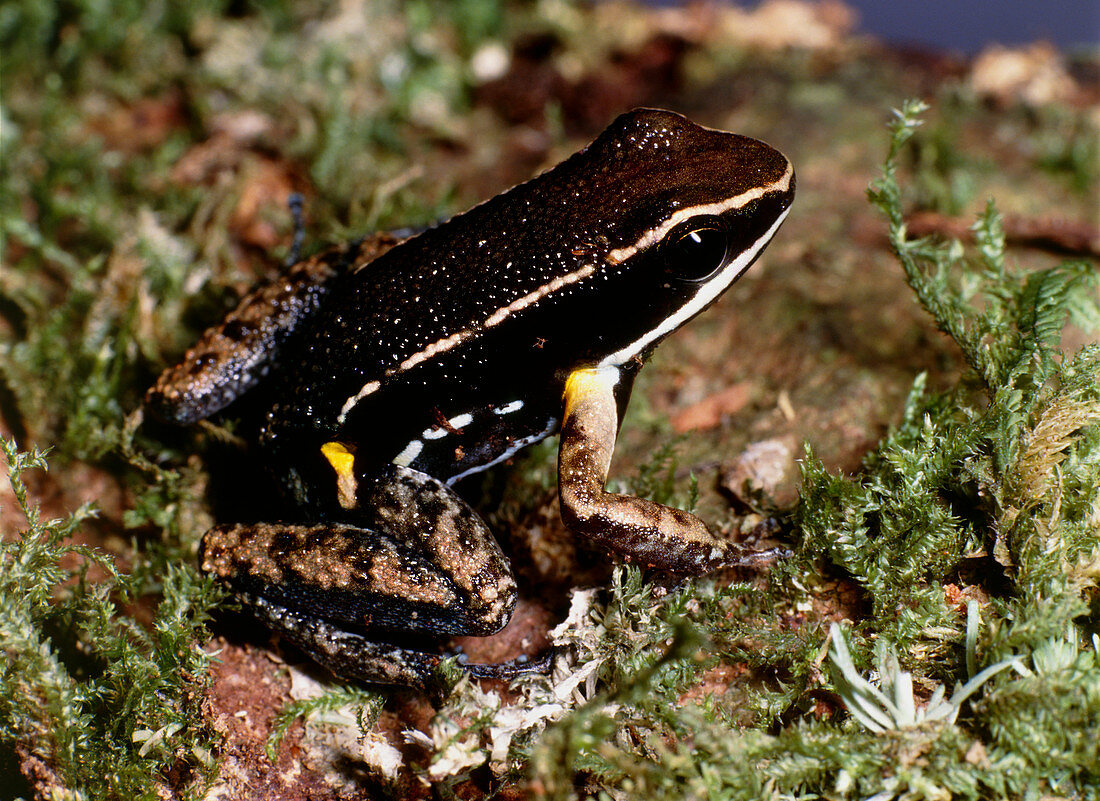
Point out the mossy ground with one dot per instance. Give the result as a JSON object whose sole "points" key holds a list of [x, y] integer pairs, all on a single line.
{"points": [[146, 155]]}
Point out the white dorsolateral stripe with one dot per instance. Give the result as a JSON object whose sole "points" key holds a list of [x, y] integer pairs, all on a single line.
{"points": [[457, 338], [655, 235], [349, 404], [704, 296], [710, 291]]}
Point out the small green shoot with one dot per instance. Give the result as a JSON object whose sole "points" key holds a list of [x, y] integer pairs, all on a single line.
{"points": [[891, 704]]}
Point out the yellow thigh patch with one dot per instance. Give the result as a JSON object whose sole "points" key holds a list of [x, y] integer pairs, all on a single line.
{"points": [[343, 462]]}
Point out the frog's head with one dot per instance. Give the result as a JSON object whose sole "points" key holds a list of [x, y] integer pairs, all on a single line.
{"points": [[685, 211]]}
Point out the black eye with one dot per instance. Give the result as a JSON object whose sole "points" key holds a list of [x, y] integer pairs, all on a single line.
{"points": [[695, 249]]}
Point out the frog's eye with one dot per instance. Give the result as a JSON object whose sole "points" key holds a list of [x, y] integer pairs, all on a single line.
{"points": [[695, 249]]}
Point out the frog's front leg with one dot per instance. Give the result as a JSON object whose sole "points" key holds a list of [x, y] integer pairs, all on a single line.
{"points": [[412, 559], [648, 532]]}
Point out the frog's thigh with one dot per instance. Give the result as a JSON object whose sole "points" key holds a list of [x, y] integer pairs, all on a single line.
{"points": [[231, 358], [373, 579], [648, 532], [421, 511]]}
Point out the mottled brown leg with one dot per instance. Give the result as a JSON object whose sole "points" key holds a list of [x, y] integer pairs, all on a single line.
{"points": [[419, 562], [648, 532], [422, 511], [416, 559]]}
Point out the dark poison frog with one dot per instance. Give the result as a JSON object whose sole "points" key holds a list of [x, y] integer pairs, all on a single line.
{"points": [[391, 369]]}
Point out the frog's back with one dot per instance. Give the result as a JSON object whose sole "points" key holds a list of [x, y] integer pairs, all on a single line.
{"points": [[518, 290]]}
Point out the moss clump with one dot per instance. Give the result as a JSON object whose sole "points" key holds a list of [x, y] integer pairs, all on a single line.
{"points": [[993, 484], [103, 706]]}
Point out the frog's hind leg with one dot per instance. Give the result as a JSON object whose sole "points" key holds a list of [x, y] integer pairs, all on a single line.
{"points": [[348, 654], [416, 560], [356, 656]]}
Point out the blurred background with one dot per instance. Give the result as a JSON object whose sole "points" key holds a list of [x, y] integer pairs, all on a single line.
{"points": [[147, 154]]}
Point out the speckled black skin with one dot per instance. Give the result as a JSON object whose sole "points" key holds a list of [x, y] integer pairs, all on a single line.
{"points": [[450, 278], [447, 352], [233, 357]]}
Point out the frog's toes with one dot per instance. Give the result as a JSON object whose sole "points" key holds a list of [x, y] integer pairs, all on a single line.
{"points": [[520, 666], [739, 557]]}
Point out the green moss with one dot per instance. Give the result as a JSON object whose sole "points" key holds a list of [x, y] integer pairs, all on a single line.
{"points": [[109, 706], [1003, 467]]}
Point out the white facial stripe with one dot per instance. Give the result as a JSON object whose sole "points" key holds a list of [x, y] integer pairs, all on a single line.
{"points": [[457, 338], [655, 235], [712, 289]]}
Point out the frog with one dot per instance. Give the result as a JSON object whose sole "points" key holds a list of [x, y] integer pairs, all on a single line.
{"points": [[383, 372]]}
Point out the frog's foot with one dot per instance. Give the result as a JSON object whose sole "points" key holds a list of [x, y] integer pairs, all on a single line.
{"points": [[348, 654], [522, 666], [736, 557], [739, 555], [647, 532]]}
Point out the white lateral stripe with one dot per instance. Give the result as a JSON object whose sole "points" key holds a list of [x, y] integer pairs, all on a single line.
{"points": [[461, 420], [655, 235], [457, 338], [508, 408], [458, 421], [516, 446], [411, 451], [709, 292]]}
